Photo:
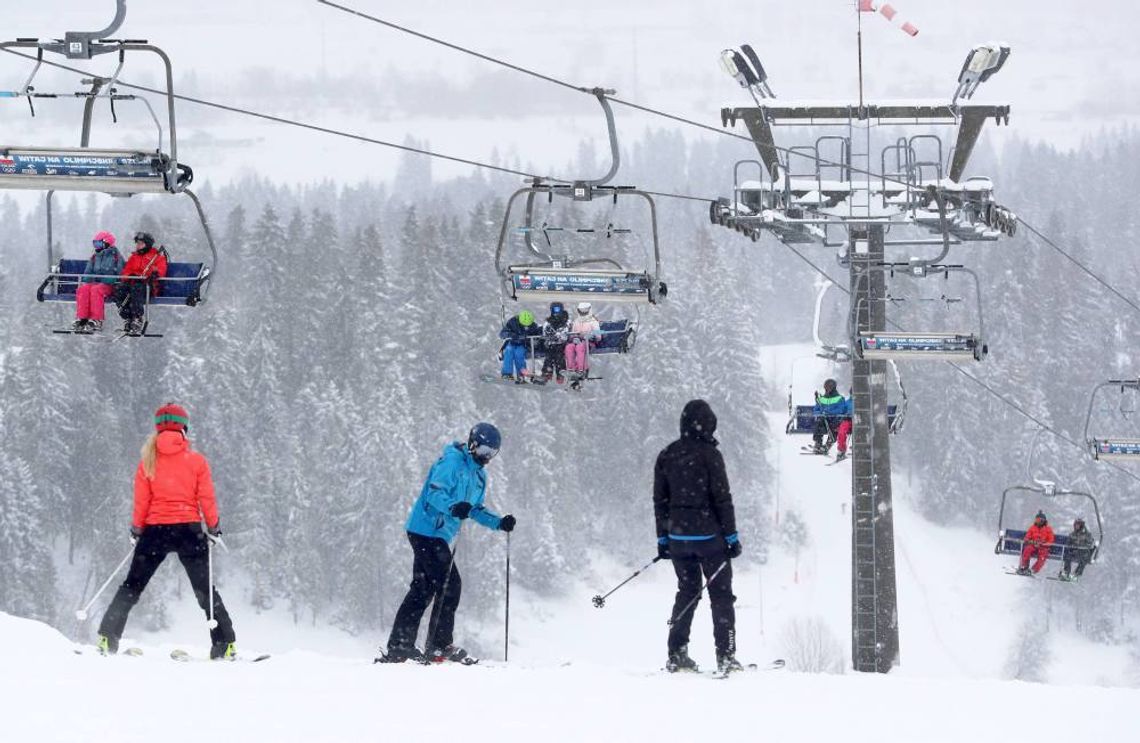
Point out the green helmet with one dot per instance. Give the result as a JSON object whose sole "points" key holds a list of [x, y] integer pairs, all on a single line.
{"points": [[526, 317]]}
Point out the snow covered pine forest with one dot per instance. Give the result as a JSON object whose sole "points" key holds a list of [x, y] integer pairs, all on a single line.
{"points": [[341, 347]]}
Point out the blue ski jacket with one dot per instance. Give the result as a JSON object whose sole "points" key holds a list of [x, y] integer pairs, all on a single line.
{"points": [[454, 477], [832, 406], [515, 332], [105, 262]]}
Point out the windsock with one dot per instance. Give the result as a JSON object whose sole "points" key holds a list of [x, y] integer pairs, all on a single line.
{"points": [[886, 10]]}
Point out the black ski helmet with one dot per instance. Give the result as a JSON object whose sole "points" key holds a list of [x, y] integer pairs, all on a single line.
{"points": [[1078, 524], [145, 238], [1041, 515], [483, 442], [829, 385]]}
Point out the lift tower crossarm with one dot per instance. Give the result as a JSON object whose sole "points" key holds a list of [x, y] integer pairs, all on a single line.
{"points": [[968, 116]]}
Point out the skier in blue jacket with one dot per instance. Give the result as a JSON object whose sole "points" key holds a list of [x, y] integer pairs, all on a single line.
{"points": [[453, 491]]}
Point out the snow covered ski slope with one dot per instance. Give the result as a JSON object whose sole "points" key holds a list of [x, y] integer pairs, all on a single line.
{"points": [[578, 673]]}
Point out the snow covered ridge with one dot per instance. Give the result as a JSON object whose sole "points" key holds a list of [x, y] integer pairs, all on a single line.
{"points": [[306, 697]]}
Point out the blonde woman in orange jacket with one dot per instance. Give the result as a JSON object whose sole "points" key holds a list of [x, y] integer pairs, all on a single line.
{"points": [[174, 495]]}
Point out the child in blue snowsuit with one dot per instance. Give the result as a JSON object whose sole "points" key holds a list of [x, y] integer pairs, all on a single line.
{"points": [[453, 491], [517, 332]]}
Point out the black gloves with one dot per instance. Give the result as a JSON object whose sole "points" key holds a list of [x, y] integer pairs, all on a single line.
{"points": [[136, 532], [214, 533], [461, 510], [507, 523], [663, 548], [734, 546]]}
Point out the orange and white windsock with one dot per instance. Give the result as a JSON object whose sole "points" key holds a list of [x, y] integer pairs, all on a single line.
{"points": [[888, 11]]}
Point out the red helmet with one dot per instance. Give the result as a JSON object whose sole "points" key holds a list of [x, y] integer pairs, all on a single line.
{"points": [[171, 417]]}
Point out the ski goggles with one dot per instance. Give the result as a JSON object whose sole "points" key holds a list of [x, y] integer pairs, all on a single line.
{"points": [[98, 244], [484, 452]]}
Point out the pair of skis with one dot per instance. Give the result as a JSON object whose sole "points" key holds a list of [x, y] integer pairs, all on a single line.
{"points": [[1057, 578], [183, 656], [774, 665], [111, 337], [811, 451]]}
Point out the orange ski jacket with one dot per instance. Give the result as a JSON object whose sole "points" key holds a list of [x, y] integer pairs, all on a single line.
{"points": [[1039, 535], [181, 492]]}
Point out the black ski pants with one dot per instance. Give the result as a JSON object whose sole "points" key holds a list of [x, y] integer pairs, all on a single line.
{"points": [[1082, 555], [156, 542], [690, 560], [554, 360], [826, 425], [430, 563], [131, 298]]}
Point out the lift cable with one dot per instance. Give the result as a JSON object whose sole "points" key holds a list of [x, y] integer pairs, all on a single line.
{"points": [[475, 163]]}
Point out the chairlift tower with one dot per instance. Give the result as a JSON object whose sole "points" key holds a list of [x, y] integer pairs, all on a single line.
{"points": [[846, 191]]}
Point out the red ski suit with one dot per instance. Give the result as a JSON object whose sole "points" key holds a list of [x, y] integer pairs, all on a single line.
{"points": [[181, 492], [149, 263], [1039, 539]]}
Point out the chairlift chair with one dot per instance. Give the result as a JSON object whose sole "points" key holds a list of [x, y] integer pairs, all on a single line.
{"points": [[542, 275], [1011, 540], [802, 418], [117, 172]]}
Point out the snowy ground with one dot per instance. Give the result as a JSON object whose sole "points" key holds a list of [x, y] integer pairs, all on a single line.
{"points": [[577, 673]]}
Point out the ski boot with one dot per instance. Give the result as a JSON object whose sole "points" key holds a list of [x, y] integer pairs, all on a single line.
{"points": [[79, 326], [399, 655], [94, 326], [1025, 571], [223, 651], [107, 645], [727, 663], [841, 456], [451, 654], [679, 660], [820, 449]]}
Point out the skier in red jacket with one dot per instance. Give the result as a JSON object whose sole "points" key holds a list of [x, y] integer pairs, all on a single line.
{"points": [[174, 495], [141, 279], [1038, 539]]}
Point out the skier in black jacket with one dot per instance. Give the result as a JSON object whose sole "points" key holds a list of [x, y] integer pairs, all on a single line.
{"points": [[696, 528]]}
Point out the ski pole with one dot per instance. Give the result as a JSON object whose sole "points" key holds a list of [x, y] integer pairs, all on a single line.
{"points": [[600, 601], [695, 599], [507, 612], [81, 614], [437, 604], [211, 623]]}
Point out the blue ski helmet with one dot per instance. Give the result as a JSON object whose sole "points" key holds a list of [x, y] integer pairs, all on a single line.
{"points": [[483, 442]]}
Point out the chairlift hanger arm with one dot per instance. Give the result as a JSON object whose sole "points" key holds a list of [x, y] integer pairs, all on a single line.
{"points": [[557, 188], [852, 325], [1123, 384], [122, 47]]}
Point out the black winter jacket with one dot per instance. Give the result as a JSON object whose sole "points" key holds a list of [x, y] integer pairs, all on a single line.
{"points": [[1082, 539], [691, 496]]}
